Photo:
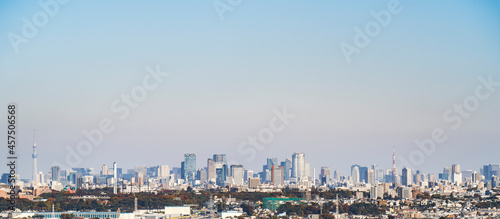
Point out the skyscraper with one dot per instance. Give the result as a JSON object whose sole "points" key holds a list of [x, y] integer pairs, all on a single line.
{"points": [[220, 158], [189, 167], [104, 170], [307, 170], [183, 170], [267, 169], [163, 172], [455, 168], [210, 170], [494, 181], [325, 175], [139, 177], [406, 178], [370, 176], [221, 175], [298, 165], [201, 174], [418, 178], [355, 173], [446, 173], [35, 167], [456, 175], [491, 170], [248, 174], [115, 179], [271, 162], [277, 175], [487, 172], [363, 174], [55, 171], [41, 178], [152, 171], [375, 169], [287, 167], [237, 172]]}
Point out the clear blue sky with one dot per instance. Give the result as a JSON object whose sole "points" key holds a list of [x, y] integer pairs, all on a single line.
{"points": [[228, 75]]}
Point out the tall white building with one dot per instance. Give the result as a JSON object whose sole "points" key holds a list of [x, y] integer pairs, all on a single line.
{"points": [[277, 176], [370, 176], [163, 172], [455, 168], [104, 170], [238, 173], [298, 165], [456, 175], [355, 174], [115, 180], [211, 170]]}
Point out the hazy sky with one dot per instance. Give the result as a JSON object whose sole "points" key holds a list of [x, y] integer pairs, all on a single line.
{"points": [[227, 76]]}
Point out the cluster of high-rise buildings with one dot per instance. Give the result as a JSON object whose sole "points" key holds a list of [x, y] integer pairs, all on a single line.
{"points": [[373, 175], [218, 172], [292, 172]]}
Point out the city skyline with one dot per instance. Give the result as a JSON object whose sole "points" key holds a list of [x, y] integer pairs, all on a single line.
{"points": [[420, 80], [300, 167], [290, 173], [200, 162]]}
